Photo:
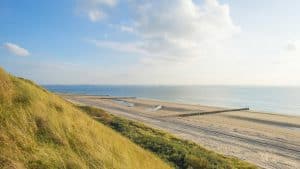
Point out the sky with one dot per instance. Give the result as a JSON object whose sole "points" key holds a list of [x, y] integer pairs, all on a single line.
{"points": [[152, 42]]}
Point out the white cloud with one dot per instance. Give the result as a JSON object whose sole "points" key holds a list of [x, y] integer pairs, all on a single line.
{"points": [[96, 15], [98, 3], [95, 9], [123, 47], [185, 20], [181, 29], [178, 42], [292, 46], [16, 49], [126, 28], [106, 2]]}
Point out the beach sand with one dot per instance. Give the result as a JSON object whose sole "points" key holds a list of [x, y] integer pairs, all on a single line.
{"points": [[265, 139]]}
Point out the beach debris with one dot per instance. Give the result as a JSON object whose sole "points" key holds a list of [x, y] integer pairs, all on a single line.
{"points": [[155, 108], [124, 103]]}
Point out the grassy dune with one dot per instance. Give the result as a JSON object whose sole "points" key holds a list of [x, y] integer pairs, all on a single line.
{"points": [[180, 153], [40, 130]]}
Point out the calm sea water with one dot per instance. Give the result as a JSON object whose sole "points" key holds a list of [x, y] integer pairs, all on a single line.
{"points": [[281, 100]]}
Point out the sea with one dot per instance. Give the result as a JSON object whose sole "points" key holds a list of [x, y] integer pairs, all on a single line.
{"points": [[278, 100]]}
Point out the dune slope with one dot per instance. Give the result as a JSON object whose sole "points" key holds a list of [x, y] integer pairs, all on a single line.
{"points": [[41, 130]]}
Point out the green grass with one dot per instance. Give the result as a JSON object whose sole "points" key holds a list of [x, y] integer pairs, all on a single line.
{"points": [[39, 130], [179, 153]]}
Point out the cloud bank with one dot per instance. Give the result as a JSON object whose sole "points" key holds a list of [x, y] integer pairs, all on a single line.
{"points": [[16, 49], [177, 30]]}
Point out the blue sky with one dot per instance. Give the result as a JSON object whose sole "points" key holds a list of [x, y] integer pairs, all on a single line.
{"points": [[152, 42]]}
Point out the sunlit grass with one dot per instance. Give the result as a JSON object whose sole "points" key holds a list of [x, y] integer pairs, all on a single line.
{"points": [[40, 130]]}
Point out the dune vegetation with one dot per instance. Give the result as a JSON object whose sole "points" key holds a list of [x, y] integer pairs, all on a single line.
{"points": [[41, 130], [179, 153]]}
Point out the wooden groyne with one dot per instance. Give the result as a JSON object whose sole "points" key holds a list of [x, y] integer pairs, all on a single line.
{"points": [[211, 112], [116, 98]]}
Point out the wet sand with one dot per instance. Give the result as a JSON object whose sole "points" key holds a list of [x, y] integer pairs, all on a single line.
{"points": [[267, 140]]}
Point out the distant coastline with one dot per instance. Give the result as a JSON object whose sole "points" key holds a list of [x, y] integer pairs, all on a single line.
{"points": [[273, 100]]}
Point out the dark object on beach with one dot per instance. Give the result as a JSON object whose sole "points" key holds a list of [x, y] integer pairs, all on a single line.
{"points": [[114, 98], [211, 112]]}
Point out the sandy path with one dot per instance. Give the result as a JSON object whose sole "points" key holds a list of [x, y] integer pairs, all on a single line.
{"points": [[268, 140]]}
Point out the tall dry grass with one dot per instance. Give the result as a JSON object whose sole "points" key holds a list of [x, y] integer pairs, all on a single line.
{"points": [[41, 130]]}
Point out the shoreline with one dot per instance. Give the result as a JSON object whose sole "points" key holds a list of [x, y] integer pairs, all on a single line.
{"points": [[184, 103], [267, 140]]}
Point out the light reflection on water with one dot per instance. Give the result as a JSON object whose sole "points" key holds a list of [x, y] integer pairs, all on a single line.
{"points": [[283, 100]]}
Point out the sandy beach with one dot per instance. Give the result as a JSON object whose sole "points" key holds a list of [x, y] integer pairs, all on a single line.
{"points": [[265, 139]]}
